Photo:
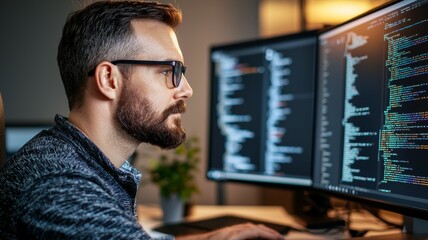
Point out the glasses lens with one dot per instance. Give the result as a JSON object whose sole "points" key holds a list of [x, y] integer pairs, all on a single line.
{"points": [[179, 69]]}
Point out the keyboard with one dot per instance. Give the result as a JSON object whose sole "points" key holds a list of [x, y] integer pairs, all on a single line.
{"points": [[206, 225]]}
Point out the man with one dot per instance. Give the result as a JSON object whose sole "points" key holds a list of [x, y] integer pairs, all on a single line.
{"points": [[123, 73]]}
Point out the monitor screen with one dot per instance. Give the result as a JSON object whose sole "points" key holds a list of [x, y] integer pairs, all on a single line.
{"points": [[371, 135], [262, 110], [16, 135]]}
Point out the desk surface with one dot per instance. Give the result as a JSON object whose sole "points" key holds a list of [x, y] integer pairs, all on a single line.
{"points": [[150, 216]]}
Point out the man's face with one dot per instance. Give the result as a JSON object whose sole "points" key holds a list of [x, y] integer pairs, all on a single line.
{"points": [[137, 116], [149, 108]]}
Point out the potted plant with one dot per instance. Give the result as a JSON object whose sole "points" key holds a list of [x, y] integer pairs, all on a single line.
{"points": [[174, 173]]}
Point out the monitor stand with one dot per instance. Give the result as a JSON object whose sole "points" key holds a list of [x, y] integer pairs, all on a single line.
{"points": [[414, 229], [311, 211], [415, 226]]}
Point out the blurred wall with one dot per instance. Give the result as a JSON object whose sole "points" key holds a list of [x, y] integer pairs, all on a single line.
{"points": [[30, 82]]}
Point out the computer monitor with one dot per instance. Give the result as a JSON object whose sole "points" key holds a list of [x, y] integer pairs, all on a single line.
{"points": [[262, 110], [17, 134], [371, 135]]}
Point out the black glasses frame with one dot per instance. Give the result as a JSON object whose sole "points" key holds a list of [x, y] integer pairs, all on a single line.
{"points": [[178, 68]]}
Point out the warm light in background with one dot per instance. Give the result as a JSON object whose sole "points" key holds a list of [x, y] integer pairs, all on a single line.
{"points": [[278, 17], [283, 16], [331, 12]]}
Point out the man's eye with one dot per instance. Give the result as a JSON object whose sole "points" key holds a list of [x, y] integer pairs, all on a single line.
{"points": [[166, 72]]}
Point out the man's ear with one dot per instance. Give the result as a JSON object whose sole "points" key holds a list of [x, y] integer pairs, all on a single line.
{"points": [[107, 79]]}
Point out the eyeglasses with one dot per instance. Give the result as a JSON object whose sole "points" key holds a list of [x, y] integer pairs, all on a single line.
{"points": [[178, 68]]}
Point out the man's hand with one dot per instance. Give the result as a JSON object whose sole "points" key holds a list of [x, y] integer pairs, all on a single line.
{"points": [[237, 232]]}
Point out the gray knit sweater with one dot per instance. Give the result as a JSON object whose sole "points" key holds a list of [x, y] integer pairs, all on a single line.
{"points": [[61, 186]]}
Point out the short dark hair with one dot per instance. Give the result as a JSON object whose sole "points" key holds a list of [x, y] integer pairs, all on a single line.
{"points": [[100, 32]]}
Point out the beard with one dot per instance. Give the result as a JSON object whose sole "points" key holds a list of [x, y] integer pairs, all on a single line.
{"points": [[137, 117]]}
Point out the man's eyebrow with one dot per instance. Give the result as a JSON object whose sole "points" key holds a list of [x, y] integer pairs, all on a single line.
{"points": [[171, 59]]}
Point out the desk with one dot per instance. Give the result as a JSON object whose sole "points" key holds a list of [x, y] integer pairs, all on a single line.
{"points": [[150, 216]]}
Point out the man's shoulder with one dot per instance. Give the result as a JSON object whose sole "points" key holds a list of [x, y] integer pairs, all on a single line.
{"points": [[46, 149], [48, 144], [44, 155]]}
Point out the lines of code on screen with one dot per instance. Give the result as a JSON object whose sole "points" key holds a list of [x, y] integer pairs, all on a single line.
{"points": [[372, 127], [262, 109], [404, 135]]}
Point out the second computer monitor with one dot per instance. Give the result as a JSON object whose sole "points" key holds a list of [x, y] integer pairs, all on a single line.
{"points": [[262, 110]]}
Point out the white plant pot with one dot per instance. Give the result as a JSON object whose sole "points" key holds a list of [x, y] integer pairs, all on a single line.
{"points": [[172, 209]]}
